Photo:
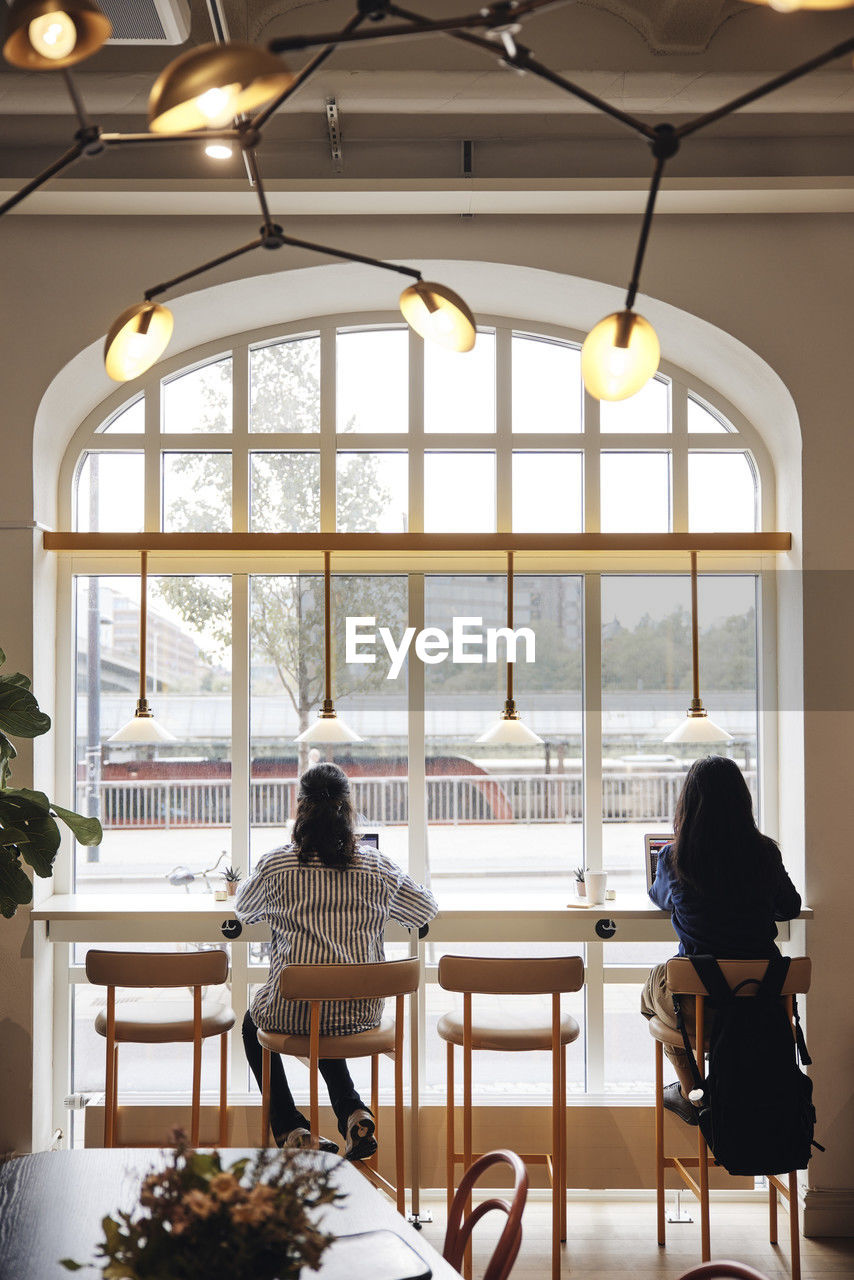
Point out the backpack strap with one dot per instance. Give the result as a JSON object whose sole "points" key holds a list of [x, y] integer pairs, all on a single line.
{"points": [[699, 1083], [711, 975], [771, 986], [803, 1052]]}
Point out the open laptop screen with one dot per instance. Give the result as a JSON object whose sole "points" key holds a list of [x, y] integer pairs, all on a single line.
{"points": [[370, 837], [653, 844]]}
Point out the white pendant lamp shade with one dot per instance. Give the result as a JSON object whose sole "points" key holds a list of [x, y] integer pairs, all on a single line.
{"points": [[439, 315], [697, 728], [207, 87], [509, 731], [137, 338], [142, 727], [619, 356], [328, 727]]}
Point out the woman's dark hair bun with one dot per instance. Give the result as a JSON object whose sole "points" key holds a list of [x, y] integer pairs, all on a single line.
{"points": [[324, 782], [325, 824]]}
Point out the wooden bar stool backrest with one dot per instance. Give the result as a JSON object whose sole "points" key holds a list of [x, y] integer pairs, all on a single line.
{"points": [[485, 975], [723, 1270], [460, 1228], [683, 979]]}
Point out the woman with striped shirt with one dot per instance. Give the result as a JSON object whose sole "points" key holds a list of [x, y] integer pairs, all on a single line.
{"points": [[327, 899]]}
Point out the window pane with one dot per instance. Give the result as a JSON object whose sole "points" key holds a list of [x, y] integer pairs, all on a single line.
{"points": [[287, 680], [199, 400], [635, 492], [646, 689], [490, 805], [284, 492], [284, 386], [373, 380], [459, 387], [372, 493], [110, 493], [702, 418], [647, 410], [547, 492], [547, 391], [721, 493], [196, 492], [459, 492], [130, 420], [167, 807]]}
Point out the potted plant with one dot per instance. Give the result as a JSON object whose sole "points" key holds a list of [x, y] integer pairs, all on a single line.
{"points": [[231, 881], [28, 829], [580, 886]]}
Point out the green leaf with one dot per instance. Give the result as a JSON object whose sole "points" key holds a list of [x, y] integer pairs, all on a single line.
{"points": [[20, 714], [15, 887], [43, 840], [35, 801], [86, 830], [7, 754], [13, 835], [71, 1265]]}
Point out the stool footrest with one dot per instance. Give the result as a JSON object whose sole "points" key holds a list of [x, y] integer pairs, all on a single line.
{"points": [[687, 1179], [779, 1185]]}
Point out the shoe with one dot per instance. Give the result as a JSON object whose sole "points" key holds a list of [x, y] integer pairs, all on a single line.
{"points": [[675, 1101], [301, 1139], [361, 1142]]}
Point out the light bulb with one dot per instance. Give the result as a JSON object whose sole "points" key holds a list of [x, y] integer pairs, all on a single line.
{"points": [[215, 104], [138, 337], [620, 354], [219, 151], [438, 315], [53, 35], [209, 86], [442, 324]]}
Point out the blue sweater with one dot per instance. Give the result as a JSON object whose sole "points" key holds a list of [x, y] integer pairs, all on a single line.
{"points": [[740, 927]]}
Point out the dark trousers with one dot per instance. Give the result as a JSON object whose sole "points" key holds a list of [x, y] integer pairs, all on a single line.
{"points": [[284, 1115]]}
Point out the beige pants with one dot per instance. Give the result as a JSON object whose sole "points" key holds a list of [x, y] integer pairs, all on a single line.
{"points": [[657, 1002]]}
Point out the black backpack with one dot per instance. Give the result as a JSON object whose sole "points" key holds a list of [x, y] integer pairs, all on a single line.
{"points": [[756, 1113]]}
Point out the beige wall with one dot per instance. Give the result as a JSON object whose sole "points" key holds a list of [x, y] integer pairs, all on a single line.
{"points": [[781, 285]]}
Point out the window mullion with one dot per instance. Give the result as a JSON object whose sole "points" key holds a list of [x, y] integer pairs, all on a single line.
{"points": [[592, 721], [591, 444], [503, 428], [240, 438], [416, 433], [328, 418], [679, 473], [151, 446]]}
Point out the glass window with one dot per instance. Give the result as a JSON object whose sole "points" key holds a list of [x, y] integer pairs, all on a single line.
{"points": [[372, 493], [702, 418], [165, 808], [110, 493], [459, 388], [547, 492], [284, 386], [459, 492], [199, 400], [284, 492], [647, 410], [372, 380], [196, 492], [721, 493], [128, 421], [547, 387], [635, 492]]}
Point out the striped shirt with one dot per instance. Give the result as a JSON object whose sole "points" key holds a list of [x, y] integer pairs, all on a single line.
{"points": [[323, 915]]}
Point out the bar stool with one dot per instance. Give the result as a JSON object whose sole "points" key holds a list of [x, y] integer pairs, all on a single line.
{"points": [[476, 975], [683, 979], [316, 983], [153, 1023]]}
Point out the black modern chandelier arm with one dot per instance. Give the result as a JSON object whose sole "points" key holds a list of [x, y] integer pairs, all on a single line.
{"points": [[251, 157], [72, 154], [76, 100], [664, 146], [779, 82], [304, 72], [350, 257], [238, 136], [205, 266]]}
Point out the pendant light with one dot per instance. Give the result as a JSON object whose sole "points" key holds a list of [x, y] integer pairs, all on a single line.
{"points": [[142, 727], [208, 87], [619, 356], [438, 315], [508, 729], [328, 727], [137, 338], [47, 35], [697, 727]]}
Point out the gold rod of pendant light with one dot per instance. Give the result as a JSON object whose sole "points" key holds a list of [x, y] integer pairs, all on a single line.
{"points": [[509, 664], [695, 630], [327, 626], [143, 620]]}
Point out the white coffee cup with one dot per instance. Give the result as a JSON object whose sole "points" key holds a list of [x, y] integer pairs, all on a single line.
{"points": [[596, 882]]}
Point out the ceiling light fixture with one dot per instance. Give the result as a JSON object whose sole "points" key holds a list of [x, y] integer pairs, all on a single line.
{"points": [[142, 727], [219, 150], [438, 315], [137, 338], [697, 728], [509, 729], [207, 87], [46, 35], [328, 727]]}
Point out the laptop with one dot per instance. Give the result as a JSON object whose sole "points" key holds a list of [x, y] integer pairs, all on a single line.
{"points": [[653, 844], [370, 837]]}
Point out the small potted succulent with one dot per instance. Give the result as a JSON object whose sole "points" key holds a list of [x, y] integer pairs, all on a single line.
{"points": [[231, 880], [580, 886]]}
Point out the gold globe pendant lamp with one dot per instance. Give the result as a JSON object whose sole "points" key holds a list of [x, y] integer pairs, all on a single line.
{"points": [[509, 730], [207, 87], [47, 35], [438, 315], [697, 728], [137, 338], [142, 727], [328, 727], [619, 356]]}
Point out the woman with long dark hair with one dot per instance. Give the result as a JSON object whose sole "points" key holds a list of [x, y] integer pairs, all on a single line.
{"points": [[327, 899], [724, 884]]}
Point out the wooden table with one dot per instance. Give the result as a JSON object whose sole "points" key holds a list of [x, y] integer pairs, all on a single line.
{"points": [[52, 1203]]}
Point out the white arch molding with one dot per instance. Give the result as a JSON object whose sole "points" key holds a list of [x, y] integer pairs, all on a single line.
{"points": [[711, 358]]}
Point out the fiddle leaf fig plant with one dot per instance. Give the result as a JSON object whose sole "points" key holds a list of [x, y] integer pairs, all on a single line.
{"points": [[28, 829]]}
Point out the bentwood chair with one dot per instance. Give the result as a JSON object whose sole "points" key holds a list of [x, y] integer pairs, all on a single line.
{"points": [[723, 1270], [163, 1022], [514, 1032], [459, 1230], [318, 982], [683, 980]]}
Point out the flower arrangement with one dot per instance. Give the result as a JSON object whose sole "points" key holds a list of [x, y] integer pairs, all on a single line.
{"points": [[197, 1220]]}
